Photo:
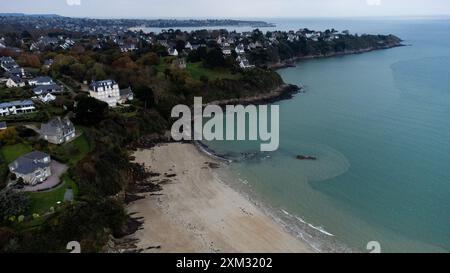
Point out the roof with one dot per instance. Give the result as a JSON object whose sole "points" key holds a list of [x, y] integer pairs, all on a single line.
{"points": [[16, 79], [42, 79], [47, 88], [3, 125], [57, 126], [16, 103], [48, 62], [30, 162], [126, 92], [9, 65], [16, 70], [6, 59], [106, 83]]}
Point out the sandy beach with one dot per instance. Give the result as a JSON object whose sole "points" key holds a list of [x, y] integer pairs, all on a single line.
{"points": [[197, 212]]}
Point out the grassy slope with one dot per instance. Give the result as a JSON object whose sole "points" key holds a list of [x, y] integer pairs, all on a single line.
{"points": [[41, 202], [197, 70], [12, 152]]}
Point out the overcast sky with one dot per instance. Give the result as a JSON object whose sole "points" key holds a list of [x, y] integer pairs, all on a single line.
{"points": [[228, 8]]}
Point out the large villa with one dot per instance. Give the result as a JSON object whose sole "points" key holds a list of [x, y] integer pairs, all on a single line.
{"points": [[107, 91], [33, 167], [58, 130]]}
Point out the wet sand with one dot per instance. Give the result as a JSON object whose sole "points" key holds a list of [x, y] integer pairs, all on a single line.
{"points": [[197, 212]]}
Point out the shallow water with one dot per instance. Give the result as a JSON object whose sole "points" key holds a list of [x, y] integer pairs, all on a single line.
{"points": [[379, 124]]}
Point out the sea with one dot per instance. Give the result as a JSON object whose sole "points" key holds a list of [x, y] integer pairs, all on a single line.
{"points": [[379, 125]]}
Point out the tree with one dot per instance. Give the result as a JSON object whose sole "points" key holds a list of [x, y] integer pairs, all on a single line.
{"points": [[29, 60], [149, 59], [90, 111], [9, 136], [180, 45], [12, 203], [214, 58], [145, 94]]}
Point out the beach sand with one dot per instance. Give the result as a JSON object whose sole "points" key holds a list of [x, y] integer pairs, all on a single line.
{"points": [[197, 212]]}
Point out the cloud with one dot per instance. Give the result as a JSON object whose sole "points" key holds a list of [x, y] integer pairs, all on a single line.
{"points": [[73, 2], [373, 2]]}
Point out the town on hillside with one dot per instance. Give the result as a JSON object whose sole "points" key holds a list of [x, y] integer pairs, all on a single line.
{"points": [[77, 95]]}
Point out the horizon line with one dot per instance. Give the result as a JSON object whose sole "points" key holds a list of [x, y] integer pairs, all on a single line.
{"points": [[230, 17]]}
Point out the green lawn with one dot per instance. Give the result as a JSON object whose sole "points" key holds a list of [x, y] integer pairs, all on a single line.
{"points": [[12, 152], [71, 152], [197, 70], [41, 202], [83, 147], [164, 63]]}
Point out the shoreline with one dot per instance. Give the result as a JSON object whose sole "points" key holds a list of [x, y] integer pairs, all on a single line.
{"points": [[283, 92], [164, 214], [196, 211], [292, 61], [287, 91]]}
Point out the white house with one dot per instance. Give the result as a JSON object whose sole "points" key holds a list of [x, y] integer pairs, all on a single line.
{"points": [[245, 64], [15, 82], [16, 107], [226, 51], [107, 91], [58, 130], [45, 98], [172, 52], [188, 46], [33, 167], [128, 47], [240, 49]]}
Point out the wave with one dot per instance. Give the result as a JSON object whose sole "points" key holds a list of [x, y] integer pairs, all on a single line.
{"points": [[211, 153], [320, 229]]}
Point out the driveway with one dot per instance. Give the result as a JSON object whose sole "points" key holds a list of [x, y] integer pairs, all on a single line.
{"points": [[57, 169]]}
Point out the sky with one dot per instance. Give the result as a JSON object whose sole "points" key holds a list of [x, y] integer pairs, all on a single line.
{"points": [[227, 8]]}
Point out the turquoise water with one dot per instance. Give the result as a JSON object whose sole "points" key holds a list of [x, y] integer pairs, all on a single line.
{"points": [[379, 124]]}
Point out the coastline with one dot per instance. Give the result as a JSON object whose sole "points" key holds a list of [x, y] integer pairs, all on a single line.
{"points": [[198, 212], [283, 92], [172, 224], [291, 62], [287, 91]]}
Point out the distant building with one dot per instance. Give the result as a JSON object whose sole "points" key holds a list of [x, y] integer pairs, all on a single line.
{"points": [[16, 107], [128, 47], [58, 130], [15, 81], [33, 167], [44, 89], [48, 63], [107, 91], [41, 81], [180, 63], [164, 43], [3, 125], [245, 64], [8, 63], [226, 51], [188, 46], [45, 98], [126, 95], [172, 52], [18, 72], [240, 49]]}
